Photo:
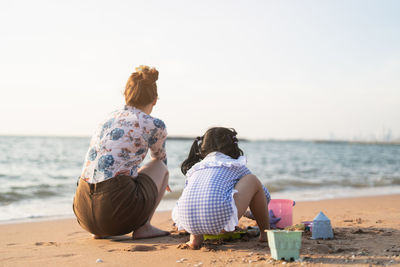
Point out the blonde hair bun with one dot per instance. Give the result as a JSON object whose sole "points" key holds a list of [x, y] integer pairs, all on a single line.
{"points": [[146, 73], [141, 87]]}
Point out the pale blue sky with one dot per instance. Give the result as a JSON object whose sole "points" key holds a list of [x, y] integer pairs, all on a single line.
{"points": [[270, 69]]}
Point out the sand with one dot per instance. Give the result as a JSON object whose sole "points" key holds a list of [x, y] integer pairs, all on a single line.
{"points": [[367, 232]]}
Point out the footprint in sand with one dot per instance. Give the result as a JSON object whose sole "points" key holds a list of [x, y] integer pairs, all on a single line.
{"points": [[205, 247], [65, 255], [387, 234], [141, 248], [184, 246], [210, 248], [46, 244], [75, 233]]}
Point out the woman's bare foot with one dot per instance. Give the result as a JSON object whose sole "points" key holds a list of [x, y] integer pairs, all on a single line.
{"points": [[99, 236], [195, 241], [148, 231]]}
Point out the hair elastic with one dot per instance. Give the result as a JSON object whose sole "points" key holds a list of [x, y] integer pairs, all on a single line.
{"points": [[235, 140]]}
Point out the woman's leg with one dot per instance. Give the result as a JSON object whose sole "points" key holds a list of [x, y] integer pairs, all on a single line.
{"points": [[158, 172], [251, 194]]}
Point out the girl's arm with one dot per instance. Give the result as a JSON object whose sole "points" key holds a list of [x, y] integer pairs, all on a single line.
{"points": [[267, 194]]}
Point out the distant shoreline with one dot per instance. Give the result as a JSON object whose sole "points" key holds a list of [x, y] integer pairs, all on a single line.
{"points": [[357, 142], [191, 138]]}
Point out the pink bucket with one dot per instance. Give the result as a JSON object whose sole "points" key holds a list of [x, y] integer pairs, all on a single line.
{"points": [[282, 208]]}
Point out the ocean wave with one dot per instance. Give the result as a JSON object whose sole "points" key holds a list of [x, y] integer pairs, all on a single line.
{"points": [[300, 184], [20, 193], [9, 197]]}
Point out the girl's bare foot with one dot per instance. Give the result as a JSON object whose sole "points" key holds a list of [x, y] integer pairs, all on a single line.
{"points": [[263, 237], [249, 215], [148, 231], [195, 241]]}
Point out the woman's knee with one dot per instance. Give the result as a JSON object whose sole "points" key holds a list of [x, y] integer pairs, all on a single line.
{"points": [[154, 165], [162, 165], [157, 171]]}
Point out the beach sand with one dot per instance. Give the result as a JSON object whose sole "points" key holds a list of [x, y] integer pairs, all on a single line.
{"points": [[367, 232]]}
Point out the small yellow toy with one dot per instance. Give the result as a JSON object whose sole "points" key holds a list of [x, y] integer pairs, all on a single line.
{"points": [[225, 236], [297, 227]]}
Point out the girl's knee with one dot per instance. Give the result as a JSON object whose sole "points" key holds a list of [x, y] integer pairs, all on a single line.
{"points": [[250, 179]]}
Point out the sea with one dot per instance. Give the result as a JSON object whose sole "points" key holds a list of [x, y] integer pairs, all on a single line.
{"points": [[38, 175]]}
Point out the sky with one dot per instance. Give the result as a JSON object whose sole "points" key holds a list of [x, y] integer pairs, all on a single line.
{"points": [[270, 69]]}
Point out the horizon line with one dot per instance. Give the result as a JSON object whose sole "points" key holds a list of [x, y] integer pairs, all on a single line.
{"points": [[191, 138]]}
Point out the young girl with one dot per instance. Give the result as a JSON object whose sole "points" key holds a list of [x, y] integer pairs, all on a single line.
{"points": [[219, 188]]}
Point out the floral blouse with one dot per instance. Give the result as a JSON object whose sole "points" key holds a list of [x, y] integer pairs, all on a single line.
{"points": [[120, 144]]}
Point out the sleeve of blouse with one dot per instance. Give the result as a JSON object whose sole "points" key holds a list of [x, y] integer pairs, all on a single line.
{"points": [[157, 149]]}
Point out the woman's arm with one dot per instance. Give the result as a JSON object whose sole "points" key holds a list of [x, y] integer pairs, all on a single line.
{"points": [[157, 141], [157, 151]]}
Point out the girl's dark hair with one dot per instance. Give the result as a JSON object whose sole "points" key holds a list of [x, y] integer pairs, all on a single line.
{"points": [[216, 139]]}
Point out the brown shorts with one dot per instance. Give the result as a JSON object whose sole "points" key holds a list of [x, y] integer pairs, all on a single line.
{"points": [[116, 206]]}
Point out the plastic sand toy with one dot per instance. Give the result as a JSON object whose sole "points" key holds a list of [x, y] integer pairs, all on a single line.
{"points": [[296, 227], [225, 236], [308, 225], [283, 209], [284, 245], [321, 227], [273, 220]]}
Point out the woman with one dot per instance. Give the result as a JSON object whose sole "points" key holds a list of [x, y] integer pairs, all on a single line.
{"points": [[115, 196]]}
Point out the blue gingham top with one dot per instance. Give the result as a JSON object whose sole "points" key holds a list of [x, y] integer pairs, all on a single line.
{"points": [[206, 204]]}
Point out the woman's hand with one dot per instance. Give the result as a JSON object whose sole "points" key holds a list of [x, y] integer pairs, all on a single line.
{"points": [[168, 188]]}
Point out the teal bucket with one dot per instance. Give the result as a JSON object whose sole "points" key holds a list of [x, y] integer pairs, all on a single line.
{"points": [[284, 245]]}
